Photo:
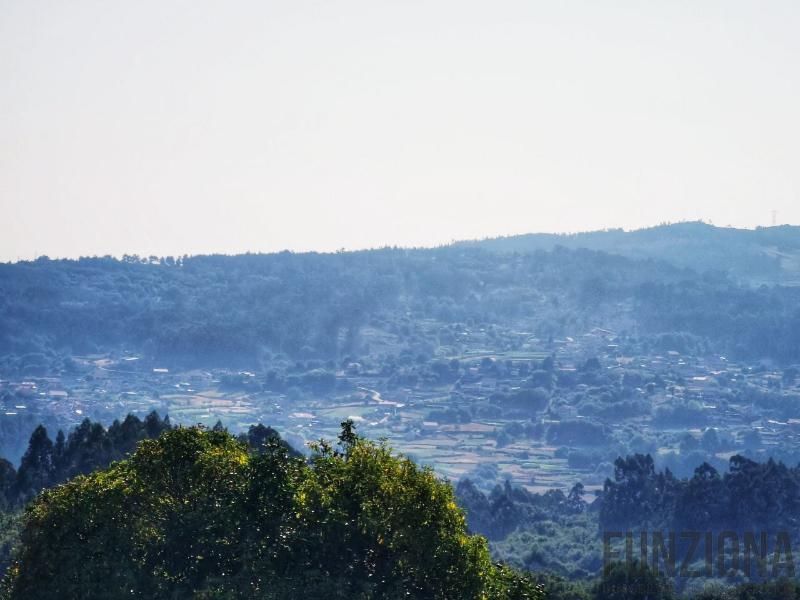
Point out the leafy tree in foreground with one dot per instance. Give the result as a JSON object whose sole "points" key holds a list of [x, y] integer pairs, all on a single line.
{"points": [[193, 514]]}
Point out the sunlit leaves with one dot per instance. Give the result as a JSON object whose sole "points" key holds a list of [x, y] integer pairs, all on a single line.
{"points": [[193, 514]]}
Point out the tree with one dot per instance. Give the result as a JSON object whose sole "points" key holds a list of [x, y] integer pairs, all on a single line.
{"points": [[575, 498], [37, 466], [8, 479], [194, 514], [631, 496]]}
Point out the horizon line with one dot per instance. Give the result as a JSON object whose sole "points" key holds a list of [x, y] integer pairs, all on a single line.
{"points": [[452, 242]]}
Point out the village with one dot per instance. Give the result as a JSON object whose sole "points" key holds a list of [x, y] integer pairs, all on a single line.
{"points": [[457, 413]]}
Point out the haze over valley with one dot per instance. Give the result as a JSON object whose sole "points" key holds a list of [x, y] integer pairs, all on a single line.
{"points": [[375, 300]]}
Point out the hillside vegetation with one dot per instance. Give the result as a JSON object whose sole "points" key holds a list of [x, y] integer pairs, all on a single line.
{"points": [[761, 255], [237, 310]]}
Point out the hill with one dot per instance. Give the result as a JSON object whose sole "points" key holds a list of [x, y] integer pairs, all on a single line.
{"points": [[235, 310], [761, 255]]}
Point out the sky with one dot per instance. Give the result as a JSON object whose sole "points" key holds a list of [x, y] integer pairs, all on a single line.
{"points": [[174, 127]]}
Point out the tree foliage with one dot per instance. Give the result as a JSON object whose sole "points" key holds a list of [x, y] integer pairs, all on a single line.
{"points": [[194, 514]]}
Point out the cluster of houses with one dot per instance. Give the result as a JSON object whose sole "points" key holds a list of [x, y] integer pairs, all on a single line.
{"points": [[436, 423]]}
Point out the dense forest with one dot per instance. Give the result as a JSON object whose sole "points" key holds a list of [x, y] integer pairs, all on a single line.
{"points": [[760, 255], [235, 310]]}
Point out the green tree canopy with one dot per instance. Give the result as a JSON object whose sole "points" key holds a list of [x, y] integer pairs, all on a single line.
{"points": [[193, 514]]}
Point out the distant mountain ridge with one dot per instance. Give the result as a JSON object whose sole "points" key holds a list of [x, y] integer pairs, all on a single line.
{"points": [[768, 255]]}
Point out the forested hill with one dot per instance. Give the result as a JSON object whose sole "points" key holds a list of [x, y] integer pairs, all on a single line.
{"points": [[762, 255], [226, 310]]}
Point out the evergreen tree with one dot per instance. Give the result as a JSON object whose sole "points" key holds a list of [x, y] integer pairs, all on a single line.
{"points": [[37, 468]]}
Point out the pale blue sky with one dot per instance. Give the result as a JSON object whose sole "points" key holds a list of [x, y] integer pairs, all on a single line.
{"points": [[172, 127]]}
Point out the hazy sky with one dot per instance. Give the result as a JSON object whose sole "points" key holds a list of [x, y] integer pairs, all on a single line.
{"points": [[173, 127]]}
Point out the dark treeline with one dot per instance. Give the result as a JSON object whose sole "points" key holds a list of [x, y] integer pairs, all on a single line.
{"points": [[233, 309], [506, 508], [750, 496], [87, 448]]}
